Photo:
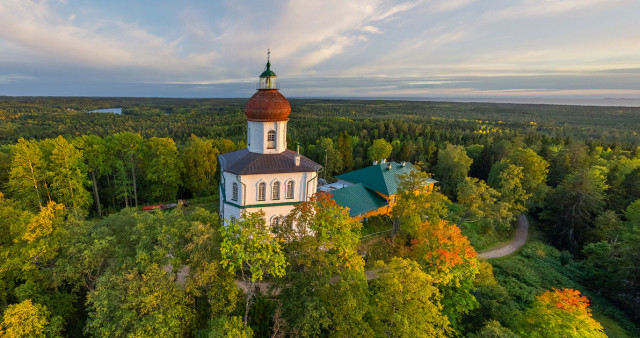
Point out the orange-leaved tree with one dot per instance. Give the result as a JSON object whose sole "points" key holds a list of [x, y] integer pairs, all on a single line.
{"points": [[560, 313], [446, 254]]}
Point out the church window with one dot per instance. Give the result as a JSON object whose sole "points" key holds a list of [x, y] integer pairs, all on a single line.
{"points": [[234, 191], [271, 139], [290, 186], [262, 191], [275, 191], [275, 221]]}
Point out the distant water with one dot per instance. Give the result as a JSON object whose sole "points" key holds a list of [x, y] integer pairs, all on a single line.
{"points": [[108, 110]]}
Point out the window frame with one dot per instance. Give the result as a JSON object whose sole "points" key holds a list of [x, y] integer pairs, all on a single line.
{"points": [[262, 191], [275, 190], [271, 139], [290, 189], [234, 192]]}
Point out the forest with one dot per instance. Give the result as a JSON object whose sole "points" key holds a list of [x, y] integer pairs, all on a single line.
{"points": [[78, 256]]}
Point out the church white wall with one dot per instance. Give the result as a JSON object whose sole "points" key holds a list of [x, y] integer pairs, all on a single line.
{"points": [[248, 193], [271, 212], [257, 136]]}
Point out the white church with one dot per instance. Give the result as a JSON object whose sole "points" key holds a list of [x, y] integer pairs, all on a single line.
{"points": [[266, 176]]}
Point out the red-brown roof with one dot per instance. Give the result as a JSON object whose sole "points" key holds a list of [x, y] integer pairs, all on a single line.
{"points": [[244, 162], [267, 105]]}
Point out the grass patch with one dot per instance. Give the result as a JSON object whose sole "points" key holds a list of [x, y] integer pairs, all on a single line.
{"points": [[376, 224], [209, 203], [485, 236], [539, 267]]}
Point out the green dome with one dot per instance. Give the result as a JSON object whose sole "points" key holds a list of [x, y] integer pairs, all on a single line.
{"points": [[268, 72]]}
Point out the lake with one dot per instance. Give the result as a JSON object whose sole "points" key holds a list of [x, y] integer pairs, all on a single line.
{"points": [[108, 110]]}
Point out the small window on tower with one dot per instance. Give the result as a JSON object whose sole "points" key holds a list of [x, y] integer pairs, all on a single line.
{"points": [[271, 139]]}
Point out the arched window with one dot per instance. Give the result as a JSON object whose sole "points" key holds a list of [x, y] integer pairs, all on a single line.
{"points": [[271, 139], [234, 191], [275, 221], [290, 187], [275, 190], [233, 219], [262, 191]]}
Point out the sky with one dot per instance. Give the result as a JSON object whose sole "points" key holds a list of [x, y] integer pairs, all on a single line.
{"points": [[329, 48]]}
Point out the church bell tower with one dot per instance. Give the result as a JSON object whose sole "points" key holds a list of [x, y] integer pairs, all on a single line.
{"points": [[267, 113]]}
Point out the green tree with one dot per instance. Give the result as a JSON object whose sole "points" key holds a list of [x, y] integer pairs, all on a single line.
{"points": [[200, 251], [94, 154], [452, 168], [163, 168], [324, 292], [414, 204], [405, 302], [534, 169], [481, 201], [139, 304], [379, 149], [68, 175], [493, 329], [226, 327], [346, 151], [5, 163], [407, 151], [247, 245], [129, 148], [199, 159], [325, 150], [28, 319], [36, 240], [508, 180], [574, 205], [27, 176]]}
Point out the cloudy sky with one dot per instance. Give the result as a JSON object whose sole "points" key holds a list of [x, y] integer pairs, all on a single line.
{"points": [[325, 48]]}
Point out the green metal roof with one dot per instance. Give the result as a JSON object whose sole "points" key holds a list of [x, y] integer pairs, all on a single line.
{"points": [[379, 177], [267, 72], [358, 199]]}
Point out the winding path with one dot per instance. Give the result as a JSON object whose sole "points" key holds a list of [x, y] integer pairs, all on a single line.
{"points": [[513, 245]]}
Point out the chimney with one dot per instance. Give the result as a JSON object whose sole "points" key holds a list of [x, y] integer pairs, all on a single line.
{"points": [[375, 162], [384, 160], [297, 158], [389, 166]]}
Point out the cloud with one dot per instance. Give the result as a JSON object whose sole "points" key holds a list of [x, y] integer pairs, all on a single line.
{"points": [[344, 46], [9, 78], [105, 44], [535, 8]]}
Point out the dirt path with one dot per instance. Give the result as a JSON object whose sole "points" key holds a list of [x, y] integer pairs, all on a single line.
{"points": [[514, 244]]}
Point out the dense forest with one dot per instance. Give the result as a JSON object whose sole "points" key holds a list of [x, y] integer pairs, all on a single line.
{"points": [[79, 258]]}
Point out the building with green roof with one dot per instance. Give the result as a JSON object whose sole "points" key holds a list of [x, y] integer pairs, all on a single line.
{"points": [[359, 200], [372, 190]]}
